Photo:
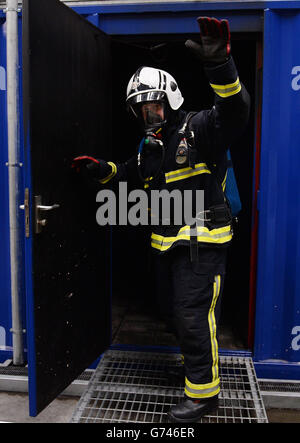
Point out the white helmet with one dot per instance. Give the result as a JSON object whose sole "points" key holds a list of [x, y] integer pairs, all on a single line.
{"points": [[150, 84]]}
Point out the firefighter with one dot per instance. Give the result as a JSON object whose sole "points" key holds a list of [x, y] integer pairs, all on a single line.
{"points": [[186, 151]]}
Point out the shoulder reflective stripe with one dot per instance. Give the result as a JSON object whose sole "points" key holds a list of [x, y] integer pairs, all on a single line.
{"points": [[111, 175], [168, 174], [202, 390], [146, 185], [224, 182], [218, 235], [213, 328], [179, 174], [227, 90]]}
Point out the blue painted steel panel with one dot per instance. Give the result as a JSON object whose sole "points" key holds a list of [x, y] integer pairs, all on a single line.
{"points": [[278, 285], [277, 370], [175, 23], [185, 6], [5, 290], [5, 301]]}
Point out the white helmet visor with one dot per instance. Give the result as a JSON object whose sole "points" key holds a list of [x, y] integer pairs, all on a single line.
{"points": [[148, 96]]}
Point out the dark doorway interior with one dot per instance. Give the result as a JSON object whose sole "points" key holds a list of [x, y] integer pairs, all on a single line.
{"points": [[135, 315]]}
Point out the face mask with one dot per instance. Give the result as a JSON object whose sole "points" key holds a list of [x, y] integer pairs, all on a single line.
{"points": [[153, 115], [152, 119]]}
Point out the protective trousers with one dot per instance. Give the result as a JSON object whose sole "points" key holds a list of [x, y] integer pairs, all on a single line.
{"points": [[191, 295]]}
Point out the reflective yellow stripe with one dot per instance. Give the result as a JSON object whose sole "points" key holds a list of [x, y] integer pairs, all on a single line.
{"points": [[209, 389], [147, 180], [210, 385], [213, 328], [111, 175], [218, 235], [227, 90], [229, 85], [202, 390], [224, 182], [183, 173]]}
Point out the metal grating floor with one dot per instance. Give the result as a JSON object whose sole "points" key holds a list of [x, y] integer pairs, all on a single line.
{"points": [[132, 387]]}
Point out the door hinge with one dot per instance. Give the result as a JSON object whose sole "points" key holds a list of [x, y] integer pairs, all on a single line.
{"points": [[12, 10]]}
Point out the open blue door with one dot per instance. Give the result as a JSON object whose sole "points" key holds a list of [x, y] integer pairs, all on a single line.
{"points": [[66, 69]]}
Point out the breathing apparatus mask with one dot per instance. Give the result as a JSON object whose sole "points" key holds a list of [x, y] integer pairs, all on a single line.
{"points": [[152, 94], [152, 117]]}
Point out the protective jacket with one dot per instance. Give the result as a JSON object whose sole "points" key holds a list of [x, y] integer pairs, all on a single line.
{"points": [[214, 131]]}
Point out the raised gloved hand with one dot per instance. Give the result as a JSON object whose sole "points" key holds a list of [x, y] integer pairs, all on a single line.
{"points": [[91, 167], [214, 47]]}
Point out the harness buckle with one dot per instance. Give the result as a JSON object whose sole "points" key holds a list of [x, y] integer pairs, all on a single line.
{"points": [[207, 211]]}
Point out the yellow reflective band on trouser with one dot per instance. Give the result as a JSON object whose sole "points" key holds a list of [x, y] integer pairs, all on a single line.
{"points": [[111, 175], [180, 174], [202, 390], [227, 90], [216, 236], [213, 329], [209, 389]]}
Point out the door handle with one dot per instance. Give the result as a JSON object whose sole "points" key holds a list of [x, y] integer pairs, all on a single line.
{"points": [[39, 222], [47, 208]]}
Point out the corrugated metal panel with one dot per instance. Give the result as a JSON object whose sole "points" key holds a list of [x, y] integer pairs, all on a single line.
{"points": [[278, 285]]}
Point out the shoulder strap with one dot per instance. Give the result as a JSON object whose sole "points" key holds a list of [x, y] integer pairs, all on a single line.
{"points": [[189, 134], [186, 124]]}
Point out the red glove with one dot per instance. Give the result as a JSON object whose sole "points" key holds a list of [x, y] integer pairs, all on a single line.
{"points": [[94, 168], [215, 44]]}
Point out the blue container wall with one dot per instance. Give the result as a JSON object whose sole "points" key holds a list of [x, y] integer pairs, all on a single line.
{"points": [[278, 284], [5, 303], [5, 290]]}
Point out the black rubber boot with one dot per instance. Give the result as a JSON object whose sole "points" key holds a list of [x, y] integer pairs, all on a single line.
{"points": [[190, 411]]}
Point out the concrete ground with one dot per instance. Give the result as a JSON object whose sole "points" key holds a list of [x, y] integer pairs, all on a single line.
{"points": [[14, 409]]}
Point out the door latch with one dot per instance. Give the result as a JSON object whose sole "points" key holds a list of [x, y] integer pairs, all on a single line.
{"points": [[25, 207], [39, 222]]}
